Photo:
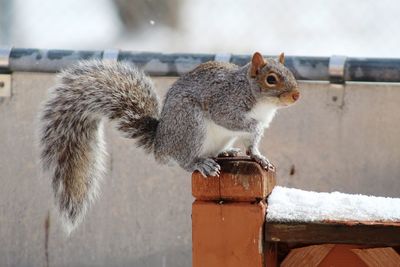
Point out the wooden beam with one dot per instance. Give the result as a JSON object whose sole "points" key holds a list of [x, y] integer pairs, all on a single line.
{"points": [[366, 233], [271, 254], [227, 234], [241, 179], [307, 256], [378, 256]]}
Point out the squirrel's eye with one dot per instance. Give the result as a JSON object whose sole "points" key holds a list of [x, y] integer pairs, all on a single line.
{"points": [[271, 79]]}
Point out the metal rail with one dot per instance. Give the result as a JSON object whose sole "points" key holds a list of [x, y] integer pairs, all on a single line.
{"points": [[334, 69]]}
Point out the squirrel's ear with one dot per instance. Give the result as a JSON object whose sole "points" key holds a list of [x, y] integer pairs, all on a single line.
{"points": [[282, 58], [257, 62]]}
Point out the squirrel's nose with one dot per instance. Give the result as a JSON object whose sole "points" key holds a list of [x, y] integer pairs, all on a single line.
{"points": [[290, 97], [295, 95]]}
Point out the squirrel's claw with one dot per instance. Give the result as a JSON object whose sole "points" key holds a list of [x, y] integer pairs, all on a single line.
{"points": [[263, 161], [208, 167]]}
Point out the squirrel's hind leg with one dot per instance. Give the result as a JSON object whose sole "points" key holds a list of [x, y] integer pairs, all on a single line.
{"points": [[183, 140]]}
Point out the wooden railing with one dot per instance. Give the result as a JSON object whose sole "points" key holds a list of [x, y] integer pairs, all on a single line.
{"points": [[229, 227]]}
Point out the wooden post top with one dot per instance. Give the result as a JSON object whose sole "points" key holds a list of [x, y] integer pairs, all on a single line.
{"points": [[241, 179]]}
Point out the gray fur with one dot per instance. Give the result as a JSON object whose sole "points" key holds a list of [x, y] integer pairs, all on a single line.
{"points": [[223, 93], [71, 138], [219, 94]]}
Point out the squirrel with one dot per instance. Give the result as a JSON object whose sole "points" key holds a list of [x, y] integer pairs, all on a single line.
{"points": [[204, 112]]}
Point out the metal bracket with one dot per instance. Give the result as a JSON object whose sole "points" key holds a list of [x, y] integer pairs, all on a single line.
{"points": [[223, 57], [5, 85], [337, 66], [111, 55], [5, 57], [336, 91], [5, 79]]}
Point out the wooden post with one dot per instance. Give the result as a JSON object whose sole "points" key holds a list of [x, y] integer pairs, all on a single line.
{"points": [[228, 214]]}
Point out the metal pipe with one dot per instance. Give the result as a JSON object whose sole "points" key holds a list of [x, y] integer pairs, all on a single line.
{"points": [[159, 64]]}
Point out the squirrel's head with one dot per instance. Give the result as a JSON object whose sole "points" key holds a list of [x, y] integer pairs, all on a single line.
{"points": [[271, 79]]}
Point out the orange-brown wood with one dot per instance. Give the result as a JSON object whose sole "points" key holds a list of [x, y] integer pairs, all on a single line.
{"points": [[331, 255], [271, 254], [341, 255], [377, 257], [307, 256], [205, 188], [241, 180], [227, 234], [229, 213], [371, 233]]}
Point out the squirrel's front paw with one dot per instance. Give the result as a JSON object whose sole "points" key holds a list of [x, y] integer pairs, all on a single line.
{"points": [[263, 161], [207, 167], [231, 152]]}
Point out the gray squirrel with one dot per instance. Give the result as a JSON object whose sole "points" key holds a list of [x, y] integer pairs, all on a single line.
{"points": [[205, 111]]}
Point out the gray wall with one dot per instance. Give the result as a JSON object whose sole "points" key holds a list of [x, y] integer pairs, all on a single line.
{"points": [[143, 215]]}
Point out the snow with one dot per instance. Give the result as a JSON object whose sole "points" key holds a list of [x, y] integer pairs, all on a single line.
{"points": [[289, 204]]}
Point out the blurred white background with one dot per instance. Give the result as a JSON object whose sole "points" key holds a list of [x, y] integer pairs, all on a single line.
{"points": [[315, 28]]}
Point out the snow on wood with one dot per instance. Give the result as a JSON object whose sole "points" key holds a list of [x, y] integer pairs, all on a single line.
{"points": [[289, 205]]}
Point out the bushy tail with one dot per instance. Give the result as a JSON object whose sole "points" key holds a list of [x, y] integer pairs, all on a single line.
{"points": [[71, 136]]}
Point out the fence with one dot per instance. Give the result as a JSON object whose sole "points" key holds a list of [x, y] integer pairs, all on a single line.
{"points": [[233, 224]]}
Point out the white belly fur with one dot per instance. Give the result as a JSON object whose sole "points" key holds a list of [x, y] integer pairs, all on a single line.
{"points": [[264, 112], [219, 139]]}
